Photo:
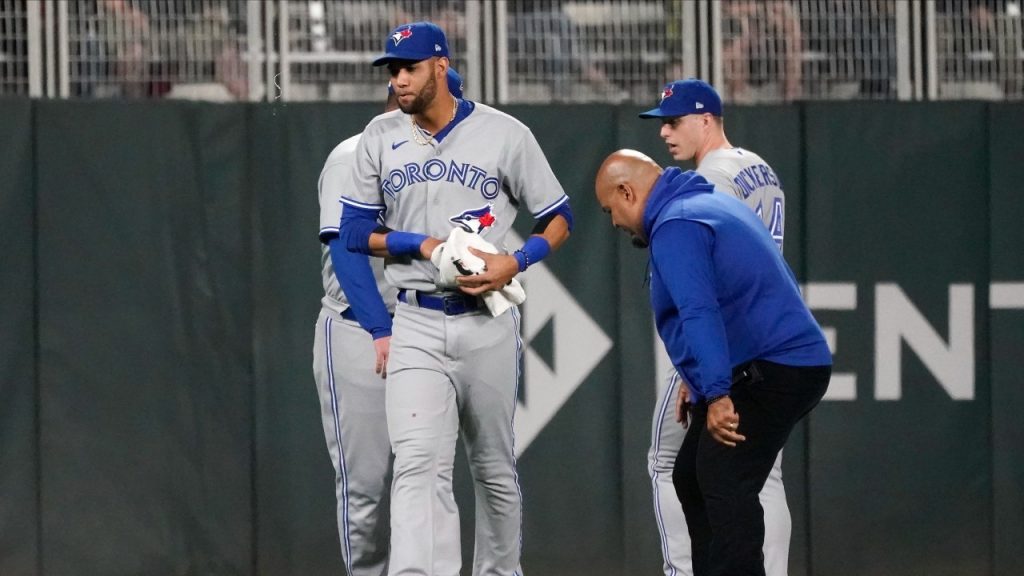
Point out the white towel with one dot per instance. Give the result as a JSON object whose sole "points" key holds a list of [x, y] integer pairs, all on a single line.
{"points": [[455, 253]]}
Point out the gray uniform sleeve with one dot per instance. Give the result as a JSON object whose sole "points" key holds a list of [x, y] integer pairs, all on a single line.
{"points": [[530, 179], [364, 190], [334, 179]]}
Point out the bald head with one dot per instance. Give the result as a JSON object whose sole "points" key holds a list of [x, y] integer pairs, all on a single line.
{"points": [[628, 167], [622, 186]]}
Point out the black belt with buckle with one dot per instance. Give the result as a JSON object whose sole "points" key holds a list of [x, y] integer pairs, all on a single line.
{"points": [[451, 303]]}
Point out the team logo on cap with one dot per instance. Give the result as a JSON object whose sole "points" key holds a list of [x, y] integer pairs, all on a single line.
{"points": [[477, 220], [666, 92], [400, 35]]}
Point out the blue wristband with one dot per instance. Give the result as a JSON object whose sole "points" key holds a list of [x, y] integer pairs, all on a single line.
{"points": [[520, 257], [404, 243], [534, 250]]}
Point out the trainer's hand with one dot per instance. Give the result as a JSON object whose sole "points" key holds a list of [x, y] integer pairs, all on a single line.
{"points": [[382, 346], [499, 270], [723, 422], [683, 405]]}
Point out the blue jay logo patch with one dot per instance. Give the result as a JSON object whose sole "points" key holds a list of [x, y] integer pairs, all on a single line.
{"points": [[400, 35], [475, 221]]}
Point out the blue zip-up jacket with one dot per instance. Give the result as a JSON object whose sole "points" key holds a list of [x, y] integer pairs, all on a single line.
{"points": [[721, 292]]}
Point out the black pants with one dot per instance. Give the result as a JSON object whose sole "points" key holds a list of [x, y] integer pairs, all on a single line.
{"points": [[719, 485]]}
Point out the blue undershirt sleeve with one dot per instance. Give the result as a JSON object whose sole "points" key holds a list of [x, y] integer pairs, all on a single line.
{"points": [[357, 280], [681, 252], [566, 211], [356, 226]]}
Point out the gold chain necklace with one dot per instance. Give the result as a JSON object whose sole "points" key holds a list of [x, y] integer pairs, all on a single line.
{"points": [[417, 135]]}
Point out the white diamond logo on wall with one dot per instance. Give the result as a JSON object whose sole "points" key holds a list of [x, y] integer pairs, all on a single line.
{"points": [[579, 345]]}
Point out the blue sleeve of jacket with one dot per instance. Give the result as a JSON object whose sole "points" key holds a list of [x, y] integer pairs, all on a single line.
{"points": [[681, 252]]}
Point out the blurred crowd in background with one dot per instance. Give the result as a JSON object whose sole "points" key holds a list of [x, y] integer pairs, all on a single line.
{"points": [[517, 51]]}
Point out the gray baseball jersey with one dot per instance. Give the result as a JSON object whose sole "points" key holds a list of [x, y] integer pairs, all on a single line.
{"points": [[335, 177], [745, 174], [752, 180], [450, 371], [476, 178]]}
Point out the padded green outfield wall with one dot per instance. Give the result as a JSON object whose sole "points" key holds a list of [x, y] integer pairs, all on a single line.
{"points": [[160, 284]]}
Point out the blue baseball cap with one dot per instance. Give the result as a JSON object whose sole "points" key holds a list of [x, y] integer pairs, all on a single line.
{"points": [[415, 42], [684, 97], [454, 84]]}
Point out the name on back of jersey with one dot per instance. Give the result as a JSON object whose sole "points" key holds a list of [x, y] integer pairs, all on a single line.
{"points": [[756, 176]]}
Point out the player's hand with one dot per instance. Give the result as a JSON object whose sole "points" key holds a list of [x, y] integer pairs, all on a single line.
{"points": [[724, 422], [382, 346], [683, 405], [499, 270]]}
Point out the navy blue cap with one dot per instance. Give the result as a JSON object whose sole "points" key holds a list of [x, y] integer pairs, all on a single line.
{"points": [[684, 97], [454, 84], [416, 41]]}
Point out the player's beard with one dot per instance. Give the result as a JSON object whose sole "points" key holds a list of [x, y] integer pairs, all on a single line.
{"points": [[639, 242], [422, 100]]}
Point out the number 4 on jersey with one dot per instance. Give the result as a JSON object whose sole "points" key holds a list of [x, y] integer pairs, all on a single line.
{"points": [[777, 225]]}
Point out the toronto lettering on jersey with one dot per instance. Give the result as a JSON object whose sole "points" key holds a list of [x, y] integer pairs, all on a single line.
{"points": [[754, 177], [435, 170]]}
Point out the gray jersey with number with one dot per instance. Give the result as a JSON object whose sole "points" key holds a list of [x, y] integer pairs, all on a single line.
{"points": [[335, 178], [476, 177], [752, 180]]}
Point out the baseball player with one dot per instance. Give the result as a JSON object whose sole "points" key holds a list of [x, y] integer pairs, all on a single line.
{"points": [[349, 354], [692, 127], [439, 163]]}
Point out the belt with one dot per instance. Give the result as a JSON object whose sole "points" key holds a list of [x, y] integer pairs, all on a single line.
{"points": [[348, 314], [747, 372], [451, 303]]}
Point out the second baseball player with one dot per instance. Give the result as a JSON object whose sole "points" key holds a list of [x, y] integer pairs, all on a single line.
{"points": [[693, 128]]}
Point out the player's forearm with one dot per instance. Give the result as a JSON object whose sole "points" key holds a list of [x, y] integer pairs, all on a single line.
{"points": [[556, 233], [547, 237], [428, 246], [378, 245]]}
